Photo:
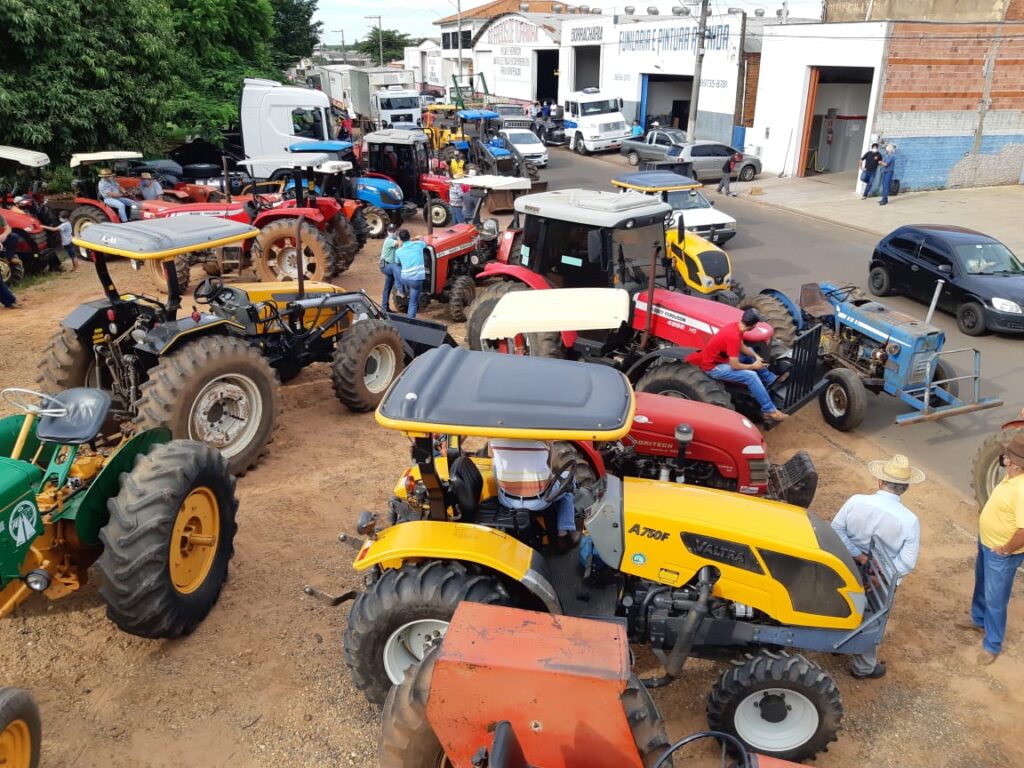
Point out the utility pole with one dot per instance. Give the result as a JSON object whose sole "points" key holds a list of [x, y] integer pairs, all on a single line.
{"points": [[380, 37], [344, 52], [458, 11], [702, 25]]}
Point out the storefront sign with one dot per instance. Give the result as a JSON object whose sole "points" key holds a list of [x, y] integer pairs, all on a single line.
{"points": [[587, 34], [513, 31], [510, 61], [675, 39], [433, 74]]}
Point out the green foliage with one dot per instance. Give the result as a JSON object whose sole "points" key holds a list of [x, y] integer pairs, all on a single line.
{"points": [[295, 32], [395, 43]]}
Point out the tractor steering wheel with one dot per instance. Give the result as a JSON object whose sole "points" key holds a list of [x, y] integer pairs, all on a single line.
{"points": [[18, 397], [211, 290], [561, 483], [262, 202]]}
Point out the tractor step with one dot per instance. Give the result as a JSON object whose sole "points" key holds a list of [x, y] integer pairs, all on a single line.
{"points": [[578, 598]]}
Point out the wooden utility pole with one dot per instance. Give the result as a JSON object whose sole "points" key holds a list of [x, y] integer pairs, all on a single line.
{"points": [[702, 25]]}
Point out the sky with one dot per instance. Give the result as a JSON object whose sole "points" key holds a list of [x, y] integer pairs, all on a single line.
{"points": [[416, 17]]}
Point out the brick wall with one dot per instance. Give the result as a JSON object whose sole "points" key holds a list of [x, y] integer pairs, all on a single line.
{"points": [[750, 88], [933, 98]]}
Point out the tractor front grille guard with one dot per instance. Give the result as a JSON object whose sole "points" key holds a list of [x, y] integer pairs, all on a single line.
{"points": [[931, 398], [803, 373]]}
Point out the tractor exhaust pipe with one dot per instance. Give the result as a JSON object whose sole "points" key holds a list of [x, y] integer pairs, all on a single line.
{"points": [[226, 183], [650, 297], [684, 642], [935, 300], [300, 267]]}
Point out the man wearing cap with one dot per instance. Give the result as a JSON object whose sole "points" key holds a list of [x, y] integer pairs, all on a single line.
{"points": [[727, 358], [1000, 554], [110, 192], [881, 519], [149, 187]]}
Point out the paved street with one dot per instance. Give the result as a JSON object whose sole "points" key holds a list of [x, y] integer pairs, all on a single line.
{"points": [[783, 250]]}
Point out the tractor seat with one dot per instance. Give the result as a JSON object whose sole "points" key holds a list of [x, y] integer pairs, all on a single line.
{"points": [[466, 484], [87, 409]]}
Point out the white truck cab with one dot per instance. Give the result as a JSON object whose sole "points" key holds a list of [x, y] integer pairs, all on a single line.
{"points": [[275, 116], [395, 104], [594, 122]]}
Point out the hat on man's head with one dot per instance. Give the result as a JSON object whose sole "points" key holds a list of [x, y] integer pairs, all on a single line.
{"points": [[21, 200], [105, 172], [896, 470], [1014, 449], [145, 175], [751, 317]]}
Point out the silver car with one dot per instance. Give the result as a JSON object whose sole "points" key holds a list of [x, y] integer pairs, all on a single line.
{"points": [[708, 157]]}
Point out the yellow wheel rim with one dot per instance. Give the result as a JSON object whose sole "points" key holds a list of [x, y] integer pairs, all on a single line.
{"points": [[194, 540], [16, 745]]}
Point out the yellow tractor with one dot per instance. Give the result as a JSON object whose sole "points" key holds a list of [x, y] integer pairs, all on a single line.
{"points": [[692, 572], [444, 131]]}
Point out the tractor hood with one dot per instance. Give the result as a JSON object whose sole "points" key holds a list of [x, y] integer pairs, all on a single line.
{"points": [[388, 190], [678, 317]]}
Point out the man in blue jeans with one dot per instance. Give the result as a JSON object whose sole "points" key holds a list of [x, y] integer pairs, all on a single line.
{"points": [[1000, 554], [727, 358], [411, 259], [389, 267], [888, 164]]}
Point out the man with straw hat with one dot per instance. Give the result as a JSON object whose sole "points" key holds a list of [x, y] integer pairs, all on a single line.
{"points": [[881, 519], [111, 193], [1000, 554]]}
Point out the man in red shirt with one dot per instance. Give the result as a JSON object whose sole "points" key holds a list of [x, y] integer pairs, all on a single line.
{"points": [[727, 358]]}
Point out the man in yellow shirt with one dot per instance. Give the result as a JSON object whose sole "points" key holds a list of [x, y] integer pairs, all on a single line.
{"points": [[458, 166], [1000, 554]]}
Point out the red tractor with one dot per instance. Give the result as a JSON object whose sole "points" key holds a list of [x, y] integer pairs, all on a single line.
{"points": [[33, 249], [404, 158], [587, 239], [329, 242]]}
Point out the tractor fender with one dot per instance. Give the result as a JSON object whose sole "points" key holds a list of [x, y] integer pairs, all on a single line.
{"points": [[793, 309], [592, 456], [87, 316], [487, 547], [515, 272], [312, 215], [166, 337], [89, 510], [639, 368]]}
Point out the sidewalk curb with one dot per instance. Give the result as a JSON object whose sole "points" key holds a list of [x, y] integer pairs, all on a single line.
{"points": [[807, 214]]}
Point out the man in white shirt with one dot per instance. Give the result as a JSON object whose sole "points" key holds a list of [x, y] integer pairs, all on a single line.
{"points": [[522, 470], [882, 520]]}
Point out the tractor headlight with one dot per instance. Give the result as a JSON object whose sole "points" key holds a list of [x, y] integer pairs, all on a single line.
{"points": [[1005, 305], [707, 282], [394, 195], [37, 580]]}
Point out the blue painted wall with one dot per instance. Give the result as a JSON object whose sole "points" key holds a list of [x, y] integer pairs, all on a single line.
{"points": [[927, 162]]}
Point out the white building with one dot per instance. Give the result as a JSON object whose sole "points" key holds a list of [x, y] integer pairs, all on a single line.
{"points": [[518, 55], [425, 61]]}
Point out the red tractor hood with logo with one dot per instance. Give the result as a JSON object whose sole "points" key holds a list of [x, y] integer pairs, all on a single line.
{"points": [[689, 321]]}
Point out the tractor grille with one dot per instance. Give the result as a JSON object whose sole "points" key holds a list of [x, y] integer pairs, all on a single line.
{"points": [[758, 471], [716, 264], [515, 122], [919, 367], [616, 127]]}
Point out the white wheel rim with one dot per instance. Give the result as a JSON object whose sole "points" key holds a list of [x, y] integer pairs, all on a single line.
{"points": [[836, 400], [285, 262], [438, 214], [798, 724], [995, 475], [83, 224], [409, 644], [226, 414], [375, 222], [380, 368]]}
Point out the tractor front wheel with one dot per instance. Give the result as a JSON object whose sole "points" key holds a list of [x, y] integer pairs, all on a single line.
{"points": [[843, 401], [460, 297], [21, 729], [218, 390], [685, 381], [778, 704], [276, 257], [438, 213], [377, 221], [774, 313], [366, 360], [403, 614], [169, 540], [83, 217]]}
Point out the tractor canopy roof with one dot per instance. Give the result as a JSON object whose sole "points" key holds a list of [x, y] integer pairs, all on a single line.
{"points": [[88, 158], [163, 238], [564, 309], [320, 146], [288, 160], [451, 390], [26, 157], [593, 208], [440, 108], [396, 136], [655, 181], [477, 114], [491, 181]]}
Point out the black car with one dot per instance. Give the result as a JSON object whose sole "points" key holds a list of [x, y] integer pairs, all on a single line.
{"points": [[984, 281]]}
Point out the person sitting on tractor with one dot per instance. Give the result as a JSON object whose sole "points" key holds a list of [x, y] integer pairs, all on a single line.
{"points": [[523, 471], [111, 193], [726, 358], [458, 166], [149, 187]]}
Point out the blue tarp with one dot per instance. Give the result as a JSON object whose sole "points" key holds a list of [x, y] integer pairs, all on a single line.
{"points": [[321, 146], [477, 114]]}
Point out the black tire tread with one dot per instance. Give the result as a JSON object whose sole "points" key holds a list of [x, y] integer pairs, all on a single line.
{"points": [[16, 270], [360, 230], [407, 739], [686, 378], [349, 359], [18, 704], [988, 453], [857, 400], [646, 723], [65, 362], [774, 313], [460, 297], [483, 305], [384, 219], [318, 252]]}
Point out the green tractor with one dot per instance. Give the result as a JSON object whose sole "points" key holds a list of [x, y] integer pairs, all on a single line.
{"points": [[155, 515]]}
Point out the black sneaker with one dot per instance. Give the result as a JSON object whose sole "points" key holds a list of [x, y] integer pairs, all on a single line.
{"points": [[874, 674]]}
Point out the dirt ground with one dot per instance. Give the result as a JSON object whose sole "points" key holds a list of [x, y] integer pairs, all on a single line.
{"points": [[262, 681]]}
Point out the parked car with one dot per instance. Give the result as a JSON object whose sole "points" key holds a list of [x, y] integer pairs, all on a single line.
{"points": [[528, 144], [512, 116], [706, 158], [984, 281], [683, 193]]}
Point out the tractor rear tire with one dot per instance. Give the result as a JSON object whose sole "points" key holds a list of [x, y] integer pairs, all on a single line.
{"points": [[803, 696], [844, 401], [737, 287], [460, 297], [84, 216], [66, 363], [686, 381], [377, 221], [345, 240], [209, 386], [21, 729], [880, 281], [12, 271], [774, 313], [367, 358], [360, 229], [382, 620], [563, 451], [274, 253], [157, 580], [154, 269], [986, 470], [482, 307]]}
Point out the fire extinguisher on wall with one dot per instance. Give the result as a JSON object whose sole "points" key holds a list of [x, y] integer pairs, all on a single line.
{"points": [[828, 134]]}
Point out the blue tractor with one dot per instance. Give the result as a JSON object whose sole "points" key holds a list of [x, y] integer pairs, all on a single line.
{"points": [[872, 348], [382, 199]]}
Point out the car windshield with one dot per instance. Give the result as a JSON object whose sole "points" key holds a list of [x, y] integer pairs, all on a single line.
{"points": [[522, 138], [603, 107], [687, 200], [676, 137], [508, 109], [988, 259], [400, 102]]}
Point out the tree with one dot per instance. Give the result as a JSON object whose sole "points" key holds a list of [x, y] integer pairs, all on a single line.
{"points": [[395, 43], [295, 32]]}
